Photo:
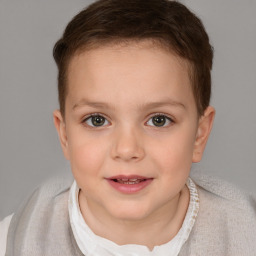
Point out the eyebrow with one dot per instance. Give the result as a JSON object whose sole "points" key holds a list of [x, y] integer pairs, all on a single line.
{"points": [[164, 102], [85, 102]]}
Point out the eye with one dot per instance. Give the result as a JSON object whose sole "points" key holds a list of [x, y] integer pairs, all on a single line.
{"points": [[159, 120], [96, 120]]}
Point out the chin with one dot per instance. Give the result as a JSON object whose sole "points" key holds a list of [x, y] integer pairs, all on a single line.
{"points": [[130, 213]]}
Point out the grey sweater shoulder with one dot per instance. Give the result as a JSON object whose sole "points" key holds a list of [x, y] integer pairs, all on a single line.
{"points": [[41, 225], [226, 222]]}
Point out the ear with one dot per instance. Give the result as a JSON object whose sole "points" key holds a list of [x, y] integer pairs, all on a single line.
{"points": [[203, 132], [61, 129]]}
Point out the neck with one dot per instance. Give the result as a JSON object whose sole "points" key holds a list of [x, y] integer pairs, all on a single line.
{"points": [[157, 229]]}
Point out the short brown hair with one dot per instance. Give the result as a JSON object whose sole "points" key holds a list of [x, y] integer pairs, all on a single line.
{"points": [[169, 23]]}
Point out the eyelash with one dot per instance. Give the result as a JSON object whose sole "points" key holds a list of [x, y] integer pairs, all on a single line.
{"points": [[167, 119]]}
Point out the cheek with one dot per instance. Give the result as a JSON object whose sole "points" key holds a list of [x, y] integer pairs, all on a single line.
{"points": [[175, 152], [86, 156]]}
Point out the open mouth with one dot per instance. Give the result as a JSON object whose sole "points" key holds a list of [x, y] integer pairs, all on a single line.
{"points": [[129, 184], [129, 181]]}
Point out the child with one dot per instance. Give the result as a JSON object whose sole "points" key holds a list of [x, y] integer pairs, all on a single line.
{"points": [[134, 90]]}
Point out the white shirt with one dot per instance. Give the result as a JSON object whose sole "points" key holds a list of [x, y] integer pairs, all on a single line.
{"points": [[4, 226], [92, 244]]}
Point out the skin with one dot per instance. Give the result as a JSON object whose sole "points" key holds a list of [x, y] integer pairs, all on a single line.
{"points": [[128, 85]]}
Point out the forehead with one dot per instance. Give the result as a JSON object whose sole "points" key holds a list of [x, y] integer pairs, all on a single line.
{"points": [[106, 51], [124, 70]]}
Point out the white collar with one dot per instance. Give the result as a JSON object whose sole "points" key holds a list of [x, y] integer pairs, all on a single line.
{"points": [[91, 244]]}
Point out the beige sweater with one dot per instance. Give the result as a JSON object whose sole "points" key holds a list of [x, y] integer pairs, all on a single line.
{"points": [[225, 225]]}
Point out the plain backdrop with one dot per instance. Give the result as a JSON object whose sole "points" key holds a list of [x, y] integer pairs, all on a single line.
{"points": [[29, 149]]}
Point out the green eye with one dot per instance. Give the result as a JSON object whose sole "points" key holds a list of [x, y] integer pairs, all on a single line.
{"points": [[96, 121], [159, 121]]}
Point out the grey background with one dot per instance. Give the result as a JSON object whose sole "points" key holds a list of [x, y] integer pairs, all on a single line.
{"points": [[29, 147]]}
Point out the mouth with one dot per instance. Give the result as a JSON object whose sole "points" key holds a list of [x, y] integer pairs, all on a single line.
{"points": [[129, 181], [129, 184]]}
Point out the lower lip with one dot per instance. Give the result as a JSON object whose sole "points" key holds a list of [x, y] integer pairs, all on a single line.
{"points": [[130, 188]]}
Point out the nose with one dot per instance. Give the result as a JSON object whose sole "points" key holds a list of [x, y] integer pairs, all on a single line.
{"points": [[127, 145]]}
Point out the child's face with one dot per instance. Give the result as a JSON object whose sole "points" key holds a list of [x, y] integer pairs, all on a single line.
{"points": [[131, 158]]}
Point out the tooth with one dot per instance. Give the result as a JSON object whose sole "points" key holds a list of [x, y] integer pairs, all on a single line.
{"points": [[129, 181]]}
